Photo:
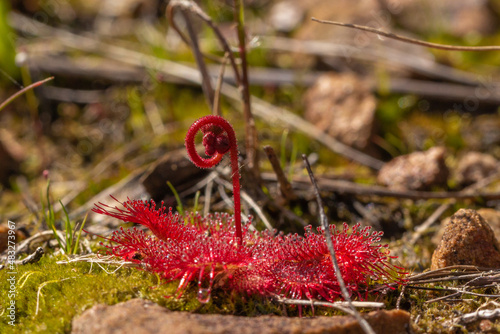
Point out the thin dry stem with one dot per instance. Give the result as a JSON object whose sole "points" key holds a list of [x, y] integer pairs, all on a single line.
{"points": [[472, 189], [206, 82], [341, 306], [22, 91], [474, 277], [220, 79], [285, 186], [194, 8], [326, 228], [39, 292], [410, 40]]}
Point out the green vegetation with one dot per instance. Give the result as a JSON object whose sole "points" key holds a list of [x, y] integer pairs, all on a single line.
{"points": [[70, 240], [49, 295], [7, 40]]}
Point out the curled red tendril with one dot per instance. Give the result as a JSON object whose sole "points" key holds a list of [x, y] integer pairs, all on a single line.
{"points": [[218, 139]]}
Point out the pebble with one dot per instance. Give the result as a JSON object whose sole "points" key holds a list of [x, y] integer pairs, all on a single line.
{"points": [[415, 171], [467, 240]]}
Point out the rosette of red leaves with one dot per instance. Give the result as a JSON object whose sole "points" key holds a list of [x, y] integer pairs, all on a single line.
{"points": [[217, 248], [199, 249]]}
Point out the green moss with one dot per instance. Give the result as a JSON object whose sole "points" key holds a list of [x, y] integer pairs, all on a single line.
{"points": [[49, 295], [432, 317]]}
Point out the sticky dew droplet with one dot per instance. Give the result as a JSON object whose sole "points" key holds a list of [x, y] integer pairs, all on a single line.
{"points": [[204, 295]]}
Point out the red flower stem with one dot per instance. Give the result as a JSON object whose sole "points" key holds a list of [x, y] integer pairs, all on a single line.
{"points": [[214, 120]]}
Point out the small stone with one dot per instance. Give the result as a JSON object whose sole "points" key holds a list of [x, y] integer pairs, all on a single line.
{"points": [[475, 166], [467, 240], [415, 171], [343, 106], [142, 317]]}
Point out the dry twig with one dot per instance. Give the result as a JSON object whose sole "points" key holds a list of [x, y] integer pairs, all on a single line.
{"points": [[285, 186], [326, 228], [206, 83], [474, 277], [342, 306], [411, 40]]}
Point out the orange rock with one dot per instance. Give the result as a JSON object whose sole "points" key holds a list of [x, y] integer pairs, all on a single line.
{"points": [[467, 240]]}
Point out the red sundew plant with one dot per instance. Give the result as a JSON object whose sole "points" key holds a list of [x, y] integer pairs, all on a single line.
{"points": [[218, 249]]}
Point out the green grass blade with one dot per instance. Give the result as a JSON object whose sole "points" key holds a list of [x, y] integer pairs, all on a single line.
{"points": [[79, 234], [68, 231], [196, 198], [180, 208], [50, 217]]}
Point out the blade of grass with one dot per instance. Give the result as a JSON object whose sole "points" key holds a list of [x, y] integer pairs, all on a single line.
{"points": [[50, 217], [22, 91], [179, 206], [196, 198], [68, 231], [79, 233]]}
